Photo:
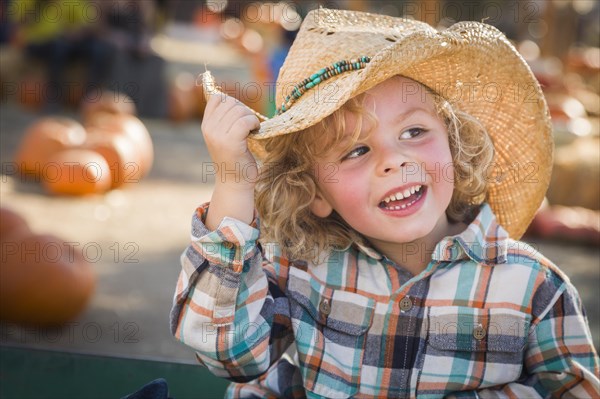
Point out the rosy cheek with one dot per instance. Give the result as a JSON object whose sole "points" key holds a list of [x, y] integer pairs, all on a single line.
{"points": [[441, 164], [342, 187], [437, 163], [326, 172]]}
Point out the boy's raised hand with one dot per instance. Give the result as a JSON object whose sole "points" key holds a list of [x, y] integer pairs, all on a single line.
{"points": [[225, 126]]}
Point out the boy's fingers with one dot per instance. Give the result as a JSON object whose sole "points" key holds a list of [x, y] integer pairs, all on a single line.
{"points": [[241, 126], [209, 111], [230, 115], [212, 102], [222, 110], [249, 122]]}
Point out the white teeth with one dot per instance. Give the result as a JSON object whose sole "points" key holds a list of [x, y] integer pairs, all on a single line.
{"points": [[402, 195]]}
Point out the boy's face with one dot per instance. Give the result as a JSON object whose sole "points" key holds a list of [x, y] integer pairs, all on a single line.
{"points": [[394, 185]]}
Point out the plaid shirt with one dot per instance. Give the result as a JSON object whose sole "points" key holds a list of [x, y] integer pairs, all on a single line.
{"points": [[489, 317]]}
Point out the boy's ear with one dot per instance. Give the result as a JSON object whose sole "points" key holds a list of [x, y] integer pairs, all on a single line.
{"points": [[320, 206]]}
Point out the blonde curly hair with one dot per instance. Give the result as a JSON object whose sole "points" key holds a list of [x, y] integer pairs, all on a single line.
{"points": [[287, 184]]}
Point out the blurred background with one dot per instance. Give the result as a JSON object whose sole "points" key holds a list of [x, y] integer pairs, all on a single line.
{"points": [[103, 163]]}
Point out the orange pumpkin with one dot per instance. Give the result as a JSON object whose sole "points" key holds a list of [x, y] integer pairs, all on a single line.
{"points": [[43, 280], [10, 222], [130, 127], [77, 172], [119, 152], [43, 139], [109, 102]]}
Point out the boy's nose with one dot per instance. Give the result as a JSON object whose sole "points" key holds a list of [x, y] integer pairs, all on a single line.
{"points": [[390, 168], [390, 162]]}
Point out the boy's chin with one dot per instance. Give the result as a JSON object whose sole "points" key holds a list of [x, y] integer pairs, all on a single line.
{"points": [[405, 237]]}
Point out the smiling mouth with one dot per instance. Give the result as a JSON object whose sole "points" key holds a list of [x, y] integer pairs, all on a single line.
{"points": [[404, 199]]}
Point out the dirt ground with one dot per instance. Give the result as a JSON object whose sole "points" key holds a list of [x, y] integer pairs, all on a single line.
{"points": [[135, 237]]}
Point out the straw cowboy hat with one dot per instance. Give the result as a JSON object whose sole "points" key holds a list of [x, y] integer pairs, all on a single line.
{"points": [[339, 54]]}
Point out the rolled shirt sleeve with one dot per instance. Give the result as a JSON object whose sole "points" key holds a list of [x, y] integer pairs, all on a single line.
{"points": [[231, 245], [222, 306]]}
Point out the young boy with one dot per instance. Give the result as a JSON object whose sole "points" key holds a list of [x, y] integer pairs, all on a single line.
{"points": [[385, 262]]}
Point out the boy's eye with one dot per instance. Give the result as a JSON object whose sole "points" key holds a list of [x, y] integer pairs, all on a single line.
{"points": [[357, 152], [413, 132]]}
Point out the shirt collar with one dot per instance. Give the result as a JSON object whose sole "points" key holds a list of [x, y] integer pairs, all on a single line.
{"points": [[483, 241], [364, 247]]}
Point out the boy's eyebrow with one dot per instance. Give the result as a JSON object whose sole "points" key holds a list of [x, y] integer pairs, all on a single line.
{"points": [[409, 112]]}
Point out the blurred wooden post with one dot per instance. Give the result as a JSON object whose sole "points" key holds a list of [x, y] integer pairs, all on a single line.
{"points": [[522, 27], [430, 11], [562, 26], [358, 5]]}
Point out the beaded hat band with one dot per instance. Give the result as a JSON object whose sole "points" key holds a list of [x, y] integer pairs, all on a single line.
{"points": [[471, 64], [321, 76]]}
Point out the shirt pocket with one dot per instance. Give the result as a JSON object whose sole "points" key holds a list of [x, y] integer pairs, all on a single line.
{"points": [[470, 348], [330, 329]]}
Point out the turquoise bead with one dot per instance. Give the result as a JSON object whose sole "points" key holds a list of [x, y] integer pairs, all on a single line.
{"points": [[320, 76]]}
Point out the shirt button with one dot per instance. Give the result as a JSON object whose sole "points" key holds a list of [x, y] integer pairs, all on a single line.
{"points": [[227, 244], [325, 307], [406, 304], [479, 333]]}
